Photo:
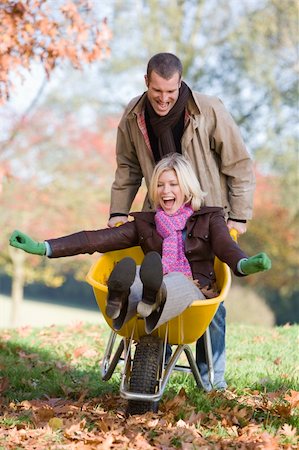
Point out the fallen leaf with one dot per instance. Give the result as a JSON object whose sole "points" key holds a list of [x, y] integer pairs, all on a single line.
{"points": [[288, 430], [293, 398], [4, 383], [90, 353], [55, 423], [103, 425], [283, 410], [24, 331], [42, 415], [85, 352], [259, 339], [181, 424], [5, 337]]}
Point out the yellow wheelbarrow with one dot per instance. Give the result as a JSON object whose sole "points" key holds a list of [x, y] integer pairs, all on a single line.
{"points": [[145, 372]]}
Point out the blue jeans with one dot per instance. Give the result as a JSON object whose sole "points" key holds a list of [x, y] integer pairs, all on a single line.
{"points": [[217, 332]]}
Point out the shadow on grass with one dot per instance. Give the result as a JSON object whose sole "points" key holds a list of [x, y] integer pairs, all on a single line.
{"points": [[66, 361], [52, 363]]}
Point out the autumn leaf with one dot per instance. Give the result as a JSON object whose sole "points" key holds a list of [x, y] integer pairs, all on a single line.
{"points": [[277, 361], [283, 410], [4, 384], [84, 352], [288, 430], [42, 415], [293, 398], [55, 423], [31, 20]]}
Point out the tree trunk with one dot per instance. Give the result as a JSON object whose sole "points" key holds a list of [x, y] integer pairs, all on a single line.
{"points": [[17, 288]]}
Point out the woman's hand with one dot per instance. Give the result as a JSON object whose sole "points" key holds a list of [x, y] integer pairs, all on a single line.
{"points": [[256, 263], [24, 242]]}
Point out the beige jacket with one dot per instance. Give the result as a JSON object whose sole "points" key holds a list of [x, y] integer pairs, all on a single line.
{"points": [[211, 140]]}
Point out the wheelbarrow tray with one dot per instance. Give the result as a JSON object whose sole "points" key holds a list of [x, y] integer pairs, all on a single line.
{"points": [[183, 329]]}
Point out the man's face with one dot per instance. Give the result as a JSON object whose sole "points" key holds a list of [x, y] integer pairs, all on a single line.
{"points": [[162, 93]]}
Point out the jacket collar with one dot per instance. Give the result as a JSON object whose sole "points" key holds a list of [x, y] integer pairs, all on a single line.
{"points": [[137, 106], [150, 216]]}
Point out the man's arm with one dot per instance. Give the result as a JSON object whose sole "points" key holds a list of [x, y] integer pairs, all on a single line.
{"points": [[237, 166], [128, 175]]}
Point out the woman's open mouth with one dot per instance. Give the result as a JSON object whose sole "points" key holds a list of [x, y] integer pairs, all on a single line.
{"points": [[168, 202]]}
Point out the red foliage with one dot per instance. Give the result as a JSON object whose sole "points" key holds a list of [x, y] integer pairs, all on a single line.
{"points": [[37, 30], [273, 230]]}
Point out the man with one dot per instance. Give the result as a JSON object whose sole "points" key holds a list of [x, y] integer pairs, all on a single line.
{"points": [[170, 117]]}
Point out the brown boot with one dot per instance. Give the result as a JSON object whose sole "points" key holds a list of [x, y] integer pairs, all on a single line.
{"points": [[119, 283], [151, 275], [161, 296]]}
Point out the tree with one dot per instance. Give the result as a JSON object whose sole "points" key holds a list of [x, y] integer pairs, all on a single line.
{"points": [[257, 68], [275, 230], [39, 30], [61, 184], [244, 52]]}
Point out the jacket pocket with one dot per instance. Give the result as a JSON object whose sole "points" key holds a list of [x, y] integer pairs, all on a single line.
{"points": [[197, 243]]}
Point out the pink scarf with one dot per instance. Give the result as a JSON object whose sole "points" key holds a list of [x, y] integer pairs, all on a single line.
{"points": [[170, 229]]}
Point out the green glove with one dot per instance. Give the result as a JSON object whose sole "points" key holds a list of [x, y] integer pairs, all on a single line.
{"points": [[24, 242], [256, 263]]}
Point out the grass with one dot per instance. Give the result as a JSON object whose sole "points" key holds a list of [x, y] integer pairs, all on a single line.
{"points": [[53, 361], [263, 358], [60, 360], [64, 362]]}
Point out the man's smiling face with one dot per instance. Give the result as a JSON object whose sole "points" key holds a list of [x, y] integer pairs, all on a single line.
{"points": [[162, 93]]}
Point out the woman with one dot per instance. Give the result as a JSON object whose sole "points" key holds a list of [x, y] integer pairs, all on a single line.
{"points": [[180, 240]]}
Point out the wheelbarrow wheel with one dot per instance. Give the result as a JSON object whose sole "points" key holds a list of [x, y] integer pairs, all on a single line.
{"points": [[145, 373]]}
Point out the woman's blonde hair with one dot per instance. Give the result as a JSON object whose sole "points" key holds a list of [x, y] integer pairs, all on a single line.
{"points": [[187, 179]]}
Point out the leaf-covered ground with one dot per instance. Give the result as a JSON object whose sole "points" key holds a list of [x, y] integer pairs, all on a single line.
{"points": [[100, 423], [52, 398]]}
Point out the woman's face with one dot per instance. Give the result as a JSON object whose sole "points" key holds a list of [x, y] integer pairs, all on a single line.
{"points": [[170, 195]]}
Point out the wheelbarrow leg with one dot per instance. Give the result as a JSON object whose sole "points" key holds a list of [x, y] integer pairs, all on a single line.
{"points": [[209, 354], [108, 364], [193, 366]]}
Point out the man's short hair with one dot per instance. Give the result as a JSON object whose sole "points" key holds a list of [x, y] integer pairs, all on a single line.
{"points": [[165, 65]]}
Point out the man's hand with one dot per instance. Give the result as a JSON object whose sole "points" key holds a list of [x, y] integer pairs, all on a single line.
{"points": [[24, 242], [256, 263], [117, 220], [239, 226]]}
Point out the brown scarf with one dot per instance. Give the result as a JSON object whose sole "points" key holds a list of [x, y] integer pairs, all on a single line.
{"points": [[162, 125]]}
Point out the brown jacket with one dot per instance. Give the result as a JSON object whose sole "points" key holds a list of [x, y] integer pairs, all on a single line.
{"points": [[206, 236], [211, 140]]}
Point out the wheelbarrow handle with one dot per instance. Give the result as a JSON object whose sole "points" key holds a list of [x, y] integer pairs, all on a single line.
{"points": [[234, 234]]}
